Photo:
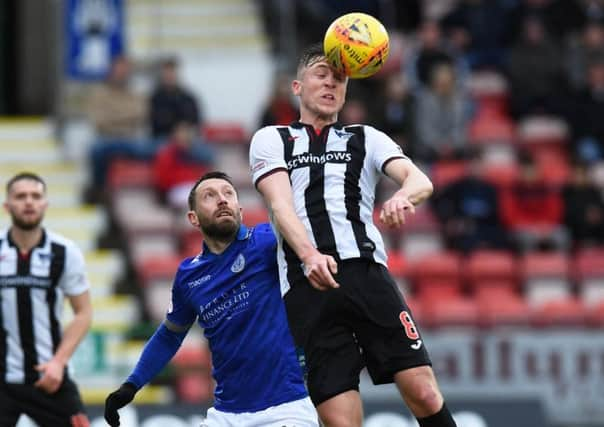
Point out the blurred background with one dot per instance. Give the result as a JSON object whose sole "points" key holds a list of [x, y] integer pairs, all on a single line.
{"points": [[121, 104]]}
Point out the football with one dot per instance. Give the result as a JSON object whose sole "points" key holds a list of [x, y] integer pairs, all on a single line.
{"points": [[356, 44]]}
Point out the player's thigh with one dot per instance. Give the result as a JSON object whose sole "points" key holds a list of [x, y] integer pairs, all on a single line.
{"points": [[333, 362], [9, 408], [385, 327], [61, 409]]}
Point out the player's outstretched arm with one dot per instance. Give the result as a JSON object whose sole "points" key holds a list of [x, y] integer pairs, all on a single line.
{"points": [[319, 268], [158, 351], [415, 188]]}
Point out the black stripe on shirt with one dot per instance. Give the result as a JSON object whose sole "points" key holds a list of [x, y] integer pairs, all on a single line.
{"points": [[352, 191], [57, 267], [26, 323]]}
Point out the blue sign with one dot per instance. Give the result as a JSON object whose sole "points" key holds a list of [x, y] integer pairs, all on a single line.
{"points": [[94, 35]]}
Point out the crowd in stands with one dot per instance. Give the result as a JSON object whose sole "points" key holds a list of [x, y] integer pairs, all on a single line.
{"points": [[501, 102]]}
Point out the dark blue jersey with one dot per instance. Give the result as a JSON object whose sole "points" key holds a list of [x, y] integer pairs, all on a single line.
{"points": [[236, 299]]}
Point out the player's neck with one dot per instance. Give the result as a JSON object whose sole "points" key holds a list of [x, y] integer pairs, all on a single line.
{"points": [[25, 240], [318, 122]]}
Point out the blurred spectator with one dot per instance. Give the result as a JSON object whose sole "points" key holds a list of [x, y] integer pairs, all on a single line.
{"points": [[119, 117], [179, 163], [427, 51], [560, 17], [395, 112], [593, 10], [583, 208], [442, 116], [468, 211], [280, 109], [535, 72], [170, 102], [586, 116], [354, 112], [532, 209], [479, 28], [115, 110], [583, 50]]}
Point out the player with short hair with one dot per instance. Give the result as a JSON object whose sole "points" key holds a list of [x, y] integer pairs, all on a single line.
{"points": [[38, 269], [232, 289], [318, 178]]}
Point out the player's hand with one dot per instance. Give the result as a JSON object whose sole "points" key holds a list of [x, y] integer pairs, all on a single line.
{"points": [[52, 376], [116, 400], [319, 270], [394, 210]]}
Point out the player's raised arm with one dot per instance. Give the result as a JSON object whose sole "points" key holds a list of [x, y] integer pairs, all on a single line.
{"points": [[318, 267], [415, 188]]}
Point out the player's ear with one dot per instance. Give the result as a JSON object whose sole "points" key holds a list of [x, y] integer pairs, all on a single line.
{"points": [[192, 216], [296, 87]]}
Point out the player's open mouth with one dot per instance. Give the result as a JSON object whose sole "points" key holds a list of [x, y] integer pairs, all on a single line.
{"points": [[224, 213], [329, 97]]}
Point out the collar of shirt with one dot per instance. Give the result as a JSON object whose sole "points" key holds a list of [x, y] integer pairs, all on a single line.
{"points": [[242, 234]]}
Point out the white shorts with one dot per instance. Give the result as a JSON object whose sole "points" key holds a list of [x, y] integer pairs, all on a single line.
{"points": [[299, 413]]}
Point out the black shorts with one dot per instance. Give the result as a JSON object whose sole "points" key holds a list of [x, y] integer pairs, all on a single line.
{"points": [[61, 409], [365, 322]]}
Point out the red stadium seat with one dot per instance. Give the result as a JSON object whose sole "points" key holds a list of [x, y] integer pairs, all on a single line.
{"points": [[561, 312], [546, 277], [255, 215], [226, 133], [588, 272], [446, 172], [130, 173], [499, 305], [437, 266], [489, 87], [163, 267], [595, 315], [501, 174], [193, 373], [490, 265], [490, 126], [545, 264], [397, 264], [449, 311], [436, 275], [588, 263]]}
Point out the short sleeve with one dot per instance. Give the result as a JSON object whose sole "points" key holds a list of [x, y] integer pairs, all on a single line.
{"points": [[266, 153], [180, 311], [73, 280], [382, 148]]}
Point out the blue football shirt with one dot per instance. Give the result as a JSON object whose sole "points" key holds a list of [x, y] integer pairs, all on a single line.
{"points": [[236, 299]]}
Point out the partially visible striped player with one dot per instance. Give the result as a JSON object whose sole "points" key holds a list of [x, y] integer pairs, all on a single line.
{"points": [[232, 289], [38, 269], [318, 179]]}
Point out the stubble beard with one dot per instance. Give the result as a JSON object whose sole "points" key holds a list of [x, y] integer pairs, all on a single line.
{"points": [[25, 225], [225, 231]]}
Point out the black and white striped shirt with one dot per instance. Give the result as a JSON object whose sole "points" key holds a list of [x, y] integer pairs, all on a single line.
{"points": [[333, 177], [32, 288]]}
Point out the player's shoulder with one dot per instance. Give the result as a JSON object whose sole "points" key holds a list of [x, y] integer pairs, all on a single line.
{"points": [[270, 131], [262, 234], [59, 239], [263, 229]]}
